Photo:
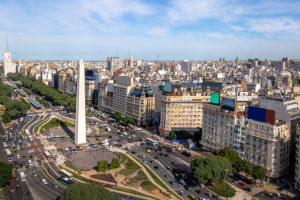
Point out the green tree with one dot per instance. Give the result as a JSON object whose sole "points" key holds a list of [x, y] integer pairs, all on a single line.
{"points": [[258, 173], [172, 135], [79, 191], [183, 135], [211, 169], [118, 116], [18, 85], [14, 113], [14, 76], [4, 100], [5, 90], [114, 163], [5, 173], [128, 120], [102, 165], [5, 117], [1, 82]]}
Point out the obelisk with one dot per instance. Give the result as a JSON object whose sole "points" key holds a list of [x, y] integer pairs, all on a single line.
{"points": [[80, 134]]}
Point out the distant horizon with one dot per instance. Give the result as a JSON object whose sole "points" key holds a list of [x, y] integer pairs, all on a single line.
{"points": [[150, 30]]}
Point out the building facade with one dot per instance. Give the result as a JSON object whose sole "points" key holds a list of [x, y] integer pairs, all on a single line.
{"points": [[184, 112], [259, 143]]}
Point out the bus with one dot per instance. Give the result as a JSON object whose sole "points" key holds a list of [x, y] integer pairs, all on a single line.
{"points": [[8, 152], [65, 172], [30, 138], [4, 144], [47, 154], [65, 181], [55, 138], [170, 148], [151, 142], [191, 144]]}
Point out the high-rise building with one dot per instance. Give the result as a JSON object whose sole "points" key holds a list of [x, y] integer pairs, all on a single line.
{"points": [[265, 142], [181, 112], [297, 159], [185, 66], [80, 126], [131, 100], [9, 65], [113, 63]]}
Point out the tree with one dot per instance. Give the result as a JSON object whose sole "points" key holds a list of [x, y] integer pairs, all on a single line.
{"points": [[18, 85], [183, 135], [128, 120], [102, 165], [5, 173], [79, 191], [5, 90], [234, 158], [14, 76], [4, 100], [114, 163], [118, 116], [258, 173], [172, 135], [210, 169], [5, 117]]}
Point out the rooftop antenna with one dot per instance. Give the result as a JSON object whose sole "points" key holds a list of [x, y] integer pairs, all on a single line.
{"points": [[6, 44]]}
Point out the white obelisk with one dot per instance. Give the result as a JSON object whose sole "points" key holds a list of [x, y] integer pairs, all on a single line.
{"points": [[80, 135]]}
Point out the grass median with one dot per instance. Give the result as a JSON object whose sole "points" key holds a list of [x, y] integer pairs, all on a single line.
{"points": [[155, 178], [54, 123]]}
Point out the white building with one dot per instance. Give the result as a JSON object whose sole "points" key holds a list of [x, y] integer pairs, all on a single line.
{"points": [[9, 65]]}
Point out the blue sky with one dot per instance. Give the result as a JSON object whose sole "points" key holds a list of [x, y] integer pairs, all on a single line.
{"points": [[172, 29]]}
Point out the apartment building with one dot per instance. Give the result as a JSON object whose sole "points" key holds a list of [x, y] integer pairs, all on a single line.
{"points": [[132, 100], [265, 143], [183, 112]]}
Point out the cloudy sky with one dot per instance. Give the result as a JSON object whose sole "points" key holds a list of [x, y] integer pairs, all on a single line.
{"points": [[150, 29]]}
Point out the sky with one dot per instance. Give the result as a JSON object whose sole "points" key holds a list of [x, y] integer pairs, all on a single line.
{"points": [[150, 29]]}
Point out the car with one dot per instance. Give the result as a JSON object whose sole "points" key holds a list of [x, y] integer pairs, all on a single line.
{"points": [[277, 194], [144, 161], [18, 156], [180, 192], [143, 156], [148, 150], [207, 194], [156, 167], [243, 184], [151, 161], [216, 196], [192, 197], [171, 182], [44, 181], [168, 167], [269, 194], [198, 191]]}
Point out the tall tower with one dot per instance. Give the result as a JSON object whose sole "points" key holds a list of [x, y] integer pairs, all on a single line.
{"points": [[9, 65], [80, 134]]}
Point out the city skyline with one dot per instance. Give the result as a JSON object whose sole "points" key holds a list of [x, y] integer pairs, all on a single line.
{"points": [[168, 30]]}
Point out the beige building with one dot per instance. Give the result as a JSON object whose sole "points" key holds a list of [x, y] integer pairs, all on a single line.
{"points": [[124, 96], [181, 112], [89, 89], [66, 81], [259, 143]]}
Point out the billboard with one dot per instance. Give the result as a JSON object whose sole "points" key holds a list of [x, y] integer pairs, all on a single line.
{"points": [[215, 98], [228, 103], [261, 114], [257, 114]]}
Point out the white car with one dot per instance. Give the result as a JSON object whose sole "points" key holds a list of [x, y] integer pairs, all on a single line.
{"points": [[148, 150], [18, 156], [44, 181]]}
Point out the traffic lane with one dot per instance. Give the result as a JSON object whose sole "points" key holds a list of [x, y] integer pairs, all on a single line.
{"points": [[263, 195], [167, 161], [42, 189]]}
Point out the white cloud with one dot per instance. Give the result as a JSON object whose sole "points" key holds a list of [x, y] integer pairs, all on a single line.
{"points": [[273, 25], [192, 10], [218, 35], [236, 28], [158, 31]]}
